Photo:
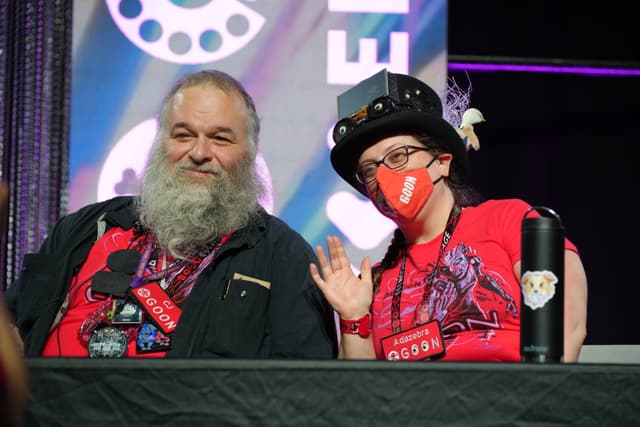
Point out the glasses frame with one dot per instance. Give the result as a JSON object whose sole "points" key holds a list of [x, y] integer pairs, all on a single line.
{"points": [[362, 180]]}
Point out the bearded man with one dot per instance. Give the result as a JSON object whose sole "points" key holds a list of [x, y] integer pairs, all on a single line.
{"points": [[192, 267]]}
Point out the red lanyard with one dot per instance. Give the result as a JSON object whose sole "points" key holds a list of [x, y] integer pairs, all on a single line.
{"points": [[139, 278], [422, 309], [183, 274]]}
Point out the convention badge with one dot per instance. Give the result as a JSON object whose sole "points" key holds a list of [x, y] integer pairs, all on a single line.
{"points": [[422, 342], [150, 339], [111, 282], [125, 313], [107, 341], [158, 306]]}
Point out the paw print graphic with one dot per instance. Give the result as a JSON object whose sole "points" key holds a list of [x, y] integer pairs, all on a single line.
{"points": [[129, 183]]}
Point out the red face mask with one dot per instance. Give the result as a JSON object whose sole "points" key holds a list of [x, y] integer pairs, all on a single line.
{"points": [[401, 195]]}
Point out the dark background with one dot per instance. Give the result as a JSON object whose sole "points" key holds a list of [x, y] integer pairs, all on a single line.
{"points": [[566, 141]]}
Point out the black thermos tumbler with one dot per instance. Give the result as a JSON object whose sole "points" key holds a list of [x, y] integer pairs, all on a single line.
{"points": [[542, 287]]}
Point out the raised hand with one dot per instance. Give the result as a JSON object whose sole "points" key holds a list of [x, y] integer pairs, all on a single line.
{"points": [[349, 295]]}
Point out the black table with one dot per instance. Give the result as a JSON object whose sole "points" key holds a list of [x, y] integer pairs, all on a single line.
{"points": [[163, 392]]}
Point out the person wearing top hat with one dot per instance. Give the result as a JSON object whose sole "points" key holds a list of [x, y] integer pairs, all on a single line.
{"points": [[448, 287]]}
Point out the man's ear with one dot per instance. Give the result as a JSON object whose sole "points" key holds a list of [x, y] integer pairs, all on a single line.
{"points": [[444, 163]]}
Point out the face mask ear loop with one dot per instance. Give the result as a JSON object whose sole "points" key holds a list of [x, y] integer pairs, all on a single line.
{"points": [[427, 167]]}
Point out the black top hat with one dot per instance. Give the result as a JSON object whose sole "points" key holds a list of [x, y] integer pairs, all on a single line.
{"points": [[384, 105]]}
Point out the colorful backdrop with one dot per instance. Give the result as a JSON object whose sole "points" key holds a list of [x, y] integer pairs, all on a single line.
{"points": [[293, 57]]}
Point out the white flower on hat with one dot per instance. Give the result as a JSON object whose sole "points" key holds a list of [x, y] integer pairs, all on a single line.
{"points": [[470, 117], [457, 112]]}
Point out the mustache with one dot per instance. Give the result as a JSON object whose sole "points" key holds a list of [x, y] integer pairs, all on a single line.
{"points": [[190, 165], [183, 216]]}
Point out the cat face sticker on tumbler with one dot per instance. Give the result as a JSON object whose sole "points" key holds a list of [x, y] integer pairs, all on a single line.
{"points": [[538, 287]]}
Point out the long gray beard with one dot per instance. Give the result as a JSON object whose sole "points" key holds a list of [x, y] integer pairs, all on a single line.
{"points": [[185, 216]]}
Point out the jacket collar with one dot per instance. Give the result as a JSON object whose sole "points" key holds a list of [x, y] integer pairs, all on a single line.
{"points": [[123, 218], [252, 233]]}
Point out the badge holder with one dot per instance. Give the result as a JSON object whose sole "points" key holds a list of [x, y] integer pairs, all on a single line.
{"points": [[419, 343]]}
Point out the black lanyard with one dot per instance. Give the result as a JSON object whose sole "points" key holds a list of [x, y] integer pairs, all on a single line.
{"points": [[454, 215]]}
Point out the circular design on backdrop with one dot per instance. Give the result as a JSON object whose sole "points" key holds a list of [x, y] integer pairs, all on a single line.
{"points": [[123, 167], [205, 32]]}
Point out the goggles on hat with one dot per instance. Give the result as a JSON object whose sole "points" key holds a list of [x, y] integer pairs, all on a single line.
{"points": [[377, 108]]}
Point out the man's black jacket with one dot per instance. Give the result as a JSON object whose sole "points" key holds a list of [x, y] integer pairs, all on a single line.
{"points": [[290, 319]]}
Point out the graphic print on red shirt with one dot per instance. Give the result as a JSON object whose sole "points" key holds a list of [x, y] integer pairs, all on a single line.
{"points": [[473, 292]]}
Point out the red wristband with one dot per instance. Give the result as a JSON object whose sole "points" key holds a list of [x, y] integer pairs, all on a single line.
{"points": [[361, 326]]}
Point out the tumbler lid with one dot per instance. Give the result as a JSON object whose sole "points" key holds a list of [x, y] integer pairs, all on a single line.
{"points": [[546, 218]]}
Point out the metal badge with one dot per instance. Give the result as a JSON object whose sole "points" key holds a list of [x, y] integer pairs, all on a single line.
{"points": [[125, 313], [107, 341], [150, 339]]}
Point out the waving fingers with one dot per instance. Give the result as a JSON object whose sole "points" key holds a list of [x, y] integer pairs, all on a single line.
{"points": [[365, 269], [337, 255], [325, 268]]}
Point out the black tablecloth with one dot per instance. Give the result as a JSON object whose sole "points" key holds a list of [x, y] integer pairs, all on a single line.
{"points": [[136, 392]]}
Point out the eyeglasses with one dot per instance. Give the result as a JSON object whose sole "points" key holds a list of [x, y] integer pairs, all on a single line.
{"points": [[394, 159]]}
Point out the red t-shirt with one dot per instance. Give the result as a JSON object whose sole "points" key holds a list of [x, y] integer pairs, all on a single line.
{"points": [[64, 340], [475, 294]]}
